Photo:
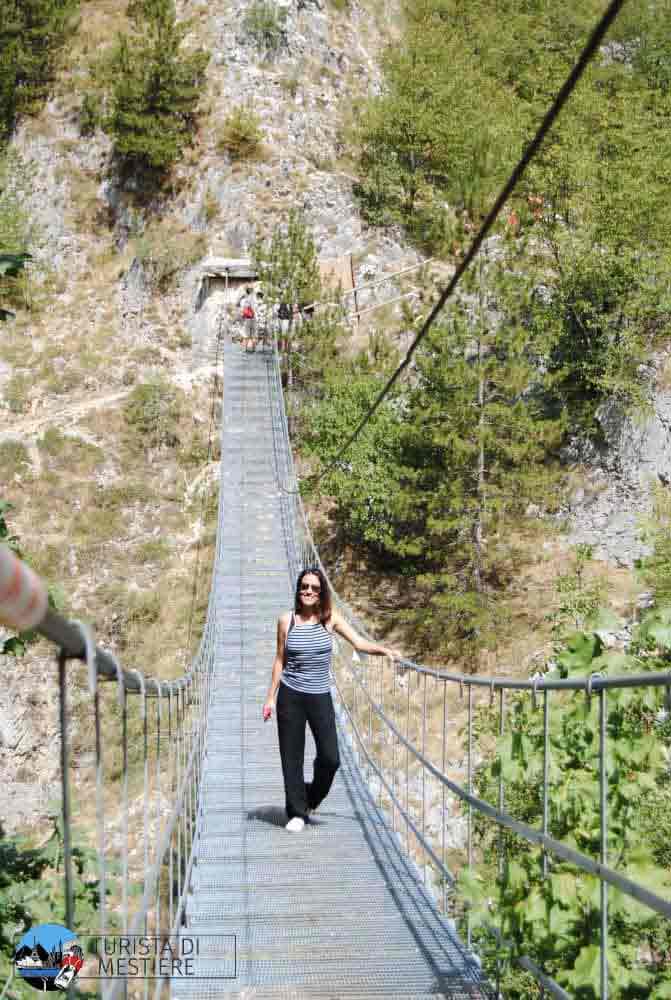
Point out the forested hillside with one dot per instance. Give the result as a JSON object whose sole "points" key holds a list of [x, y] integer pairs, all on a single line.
{"points": [[511, 494], [563, 312]]}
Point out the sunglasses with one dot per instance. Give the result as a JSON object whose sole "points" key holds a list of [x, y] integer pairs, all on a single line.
{"points": [[305, 587]]}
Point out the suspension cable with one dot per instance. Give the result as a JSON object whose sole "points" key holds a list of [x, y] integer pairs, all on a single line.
{"points": [[550, 117]]}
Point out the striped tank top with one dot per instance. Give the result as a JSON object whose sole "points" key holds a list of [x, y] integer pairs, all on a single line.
{"points": [[307, 659]]}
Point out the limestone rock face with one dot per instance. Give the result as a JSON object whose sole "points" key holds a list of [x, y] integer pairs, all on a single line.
{"points": [[635, 455], [639, 449]]}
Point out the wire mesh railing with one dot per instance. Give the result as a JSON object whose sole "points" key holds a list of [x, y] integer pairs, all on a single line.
{"points": [[418, 736], [148, 755], [137, 745]]}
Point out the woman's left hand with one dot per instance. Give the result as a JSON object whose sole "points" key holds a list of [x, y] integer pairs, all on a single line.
{"points": [[393, 654]]}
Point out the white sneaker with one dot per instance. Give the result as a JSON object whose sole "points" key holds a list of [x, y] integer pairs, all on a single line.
{"points": [[295, 825]]}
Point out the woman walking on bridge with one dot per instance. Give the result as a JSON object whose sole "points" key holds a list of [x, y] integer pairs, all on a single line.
{"points": [[301, 680]]}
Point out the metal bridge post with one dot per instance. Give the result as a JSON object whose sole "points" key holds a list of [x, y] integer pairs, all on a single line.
{"points": [[100, 799], [442, 811], [424, 783], [124, 796], [502, 726], [145, 807], [603, 818], [393, 756], [173, 792], [158, 804], [407, 762], [65, 790], [546, 772], [470, 792], [180, 820]]}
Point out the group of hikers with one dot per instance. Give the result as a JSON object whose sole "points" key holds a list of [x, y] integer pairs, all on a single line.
{"points": [[261, 320]]}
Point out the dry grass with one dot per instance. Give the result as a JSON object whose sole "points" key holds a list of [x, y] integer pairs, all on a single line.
{"points": [[99, 25], [14, 460]]}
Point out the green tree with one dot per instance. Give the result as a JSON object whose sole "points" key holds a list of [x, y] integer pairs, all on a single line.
{"points": [[31, 31], [288, 270], [424, 140], [600, 311], [478, 446], [155, 88], [365, 483], [438, 484], [287, 263]]}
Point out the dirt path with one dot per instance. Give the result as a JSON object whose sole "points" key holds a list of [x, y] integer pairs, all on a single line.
{"points": [[33, 424]]}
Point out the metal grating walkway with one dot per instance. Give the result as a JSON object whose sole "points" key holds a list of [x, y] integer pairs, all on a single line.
{"points": [[337, 911]]}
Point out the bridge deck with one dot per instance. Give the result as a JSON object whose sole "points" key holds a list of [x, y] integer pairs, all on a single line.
{"points": [[336, 911]]}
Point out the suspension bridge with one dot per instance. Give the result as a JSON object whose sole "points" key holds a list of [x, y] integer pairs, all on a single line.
{"points": [[361, 903]]}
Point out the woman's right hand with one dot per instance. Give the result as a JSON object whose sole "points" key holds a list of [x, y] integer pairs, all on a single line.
{"points": [[268, 710]]}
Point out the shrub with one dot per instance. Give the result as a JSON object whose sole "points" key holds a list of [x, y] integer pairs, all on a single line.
{"points": [[264, 23], [290, 84], [241, 134], [17, 393], [155, 550], [89, 115], [14, 459]]}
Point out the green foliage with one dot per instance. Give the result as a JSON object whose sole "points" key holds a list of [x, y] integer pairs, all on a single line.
{"points": [[366, 484], [655, 569], [90, 115], [14, 236], [288, 270], [596, 318], [425, 140], [579, 598], [287, 265], [463, 91], [31, 881], [154, 88], [264, 22], [555, 919], [241, 134], [31, 31]]}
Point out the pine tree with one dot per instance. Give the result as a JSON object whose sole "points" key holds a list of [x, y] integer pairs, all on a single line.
{"points": [[288, 269], [156, 88], [287, 264], [477, 449], [30, 33]]}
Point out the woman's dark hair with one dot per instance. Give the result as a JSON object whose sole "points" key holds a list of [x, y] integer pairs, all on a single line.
{"points": [[324, 596]]}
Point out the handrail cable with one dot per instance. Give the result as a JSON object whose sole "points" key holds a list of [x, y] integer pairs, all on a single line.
{"points": [[548, 120], [201, 525]]}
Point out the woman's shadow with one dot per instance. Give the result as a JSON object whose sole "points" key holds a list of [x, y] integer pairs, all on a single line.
{"points": [[273, 815]]}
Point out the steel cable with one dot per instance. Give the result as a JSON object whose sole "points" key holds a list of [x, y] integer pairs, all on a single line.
{"points": [[549, 118]]}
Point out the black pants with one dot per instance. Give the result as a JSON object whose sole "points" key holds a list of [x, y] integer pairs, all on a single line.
{"points": [[294, 710]]}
